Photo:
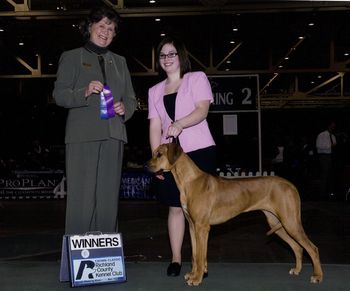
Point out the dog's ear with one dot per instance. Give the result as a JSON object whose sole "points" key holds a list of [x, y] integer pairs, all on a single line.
{"points": [[174, 151]]}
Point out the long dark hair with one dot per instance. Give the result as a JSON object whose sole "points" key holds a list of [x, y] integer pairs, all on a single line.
{"points": [[185, 64], [95, 15]]}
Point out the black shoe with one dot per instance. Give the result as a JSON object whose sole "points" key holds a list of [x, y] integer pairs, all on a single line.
{"points": [[174, 269]]}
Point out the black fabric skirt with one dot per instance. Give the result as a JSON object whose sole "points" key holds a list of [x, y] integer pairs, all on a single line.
{"points": [[166, 190]]}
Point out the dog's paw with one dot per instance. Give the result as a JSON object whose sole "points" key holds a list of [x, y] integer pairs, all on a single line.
{"points": [[193, 279], [294, 271], [188, 275], [194, 282], [316, 279]]}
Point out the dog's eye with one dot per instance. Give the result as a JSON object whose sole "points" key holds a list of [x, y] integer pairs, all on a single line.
{"points": [[159, 155]]}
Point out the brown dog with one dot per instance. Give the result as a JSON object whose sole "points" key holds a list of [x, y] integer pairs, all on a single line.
{"points": [[207, 200]]}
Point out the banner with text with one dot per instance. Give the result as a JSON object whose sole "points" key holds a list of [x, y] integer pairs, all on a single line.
{"points": [[234, 93], [33, 184], [135, 184], [92, 259]]}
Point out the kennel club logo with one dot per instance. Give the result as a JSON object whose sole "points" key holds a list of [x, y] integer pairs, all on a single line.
{"points": [[97, 259], [105, 269]]}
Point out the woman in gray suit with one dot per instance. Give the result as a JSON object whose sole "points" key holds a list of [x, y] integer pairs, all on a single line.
{"points": [[94, 84]]}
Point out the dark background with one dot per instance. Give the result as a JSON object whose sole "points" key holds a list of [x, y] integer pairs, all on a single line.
{"points": [[295, 106]]}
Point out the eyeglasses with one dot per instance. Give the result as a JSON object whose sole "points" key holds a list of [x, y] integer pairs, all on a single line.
{"points": [[169, 56]]}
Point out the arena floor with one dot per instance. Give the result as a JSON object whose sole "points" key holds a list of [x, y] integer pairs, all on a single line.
{"points": [[240, 255]]}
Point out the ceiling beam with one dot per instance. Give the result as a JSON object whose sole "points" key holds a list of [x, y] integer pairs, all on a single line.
{"points": [[288, 6], [339, 75], [25, 6]]}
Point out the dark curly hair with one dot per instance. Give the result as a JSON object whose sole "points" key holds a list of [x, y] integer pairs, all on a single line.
{"points": [[95, 15], [185, 64]]}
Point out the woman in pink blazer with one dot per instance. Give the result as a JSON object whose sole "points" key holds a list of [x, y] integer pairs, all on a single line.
{"points": [[178, 107]]}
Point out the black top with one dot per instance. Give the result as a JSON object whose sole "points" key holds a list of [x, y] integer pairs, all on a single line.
{"points": [[166, 189], [169, 104], [90, 46]]}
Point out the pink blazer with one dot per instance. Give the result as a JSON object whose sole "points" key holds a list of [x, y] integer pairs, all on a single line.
{"points": [[194, 87]]}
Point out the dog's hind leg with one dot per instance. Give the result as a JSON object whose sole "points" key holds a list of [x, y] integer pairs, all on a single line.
{"points": [[296, 231], [273, 221], [289, 214]]}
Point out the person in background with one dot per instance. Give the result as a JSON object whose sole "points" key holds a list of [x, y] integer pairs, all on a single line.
{"points": [[278, 159], [178, 107], [325, 146], [94, 84]]}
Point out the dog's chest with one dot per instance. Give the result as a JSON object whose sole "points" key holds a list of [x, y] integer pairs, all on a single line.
{"points": [[184, 207]]}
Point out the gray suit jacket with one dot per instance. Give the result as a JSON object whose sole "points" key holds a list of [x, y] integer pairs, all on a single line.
{"points": [[77, 68]]}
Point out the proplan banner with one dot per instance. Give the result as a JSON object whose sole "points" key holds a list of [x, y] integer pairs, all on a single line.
{"points": [[33, 185]]}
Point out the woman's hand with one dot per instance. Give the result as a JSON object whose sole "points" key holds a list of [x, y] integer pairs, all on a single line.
{"points": [[196, 116], [119, 108], [93, 87], [175, 129]]}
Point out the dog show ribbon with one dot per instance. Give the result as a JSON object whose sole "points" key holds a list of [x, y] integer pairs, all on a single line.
{"points": [[106, 108], [106, 105]]}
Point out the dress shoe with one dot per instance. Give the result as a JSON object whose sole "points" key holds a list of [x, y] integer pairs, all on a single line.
{"points": [[174, 269]]}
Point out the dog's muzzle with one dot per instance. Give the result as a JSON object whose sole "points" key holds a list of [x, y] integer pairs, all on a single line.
{"points": [[149, 169]]}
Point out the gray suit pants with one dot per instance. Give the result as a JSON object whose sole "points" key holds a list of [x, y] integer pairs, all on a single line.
{"points": [[93, 182]]}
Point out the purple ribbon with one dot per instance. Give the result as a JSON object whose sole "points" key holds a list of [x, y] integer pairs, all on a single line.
{"points": [[107, 102]]}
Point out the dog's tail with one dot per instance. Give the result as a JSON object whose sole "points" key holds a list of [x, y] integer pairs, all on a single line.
{"points": [[274, 228]]}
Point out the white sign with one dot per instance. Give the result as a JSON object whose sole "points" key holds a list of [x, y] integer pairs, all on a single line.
{"points": [[230, 124], [92, 259]]}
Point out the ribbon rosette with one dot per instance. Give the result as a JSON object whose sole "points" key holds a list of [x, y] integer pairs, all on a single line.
{"points": [[107, 110]]}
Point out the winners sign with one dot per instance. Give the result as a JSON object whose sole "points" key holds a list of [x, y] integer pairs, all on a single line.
{"points": [[93, 259], [234, 93]]}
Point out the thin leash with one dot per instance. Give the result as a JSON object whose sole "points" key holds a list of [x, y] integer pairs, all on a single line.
{"points": [[174, 140]]}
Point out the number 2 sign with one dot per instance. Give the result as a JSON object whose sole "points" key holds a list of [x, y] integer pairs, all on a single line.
{"points": [[234, 93]]}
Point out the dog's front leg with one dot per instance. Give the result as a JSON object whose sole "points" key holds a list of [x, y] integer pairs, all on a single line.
{"points": [[193, 245], [199, 239]]}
